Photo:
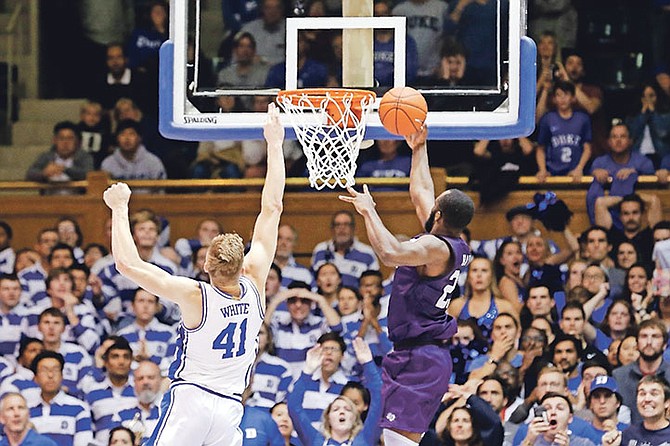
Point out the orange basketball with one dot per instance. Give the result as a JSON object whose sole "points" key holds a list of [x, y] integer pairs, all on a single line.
{"points": [[403, 111]]}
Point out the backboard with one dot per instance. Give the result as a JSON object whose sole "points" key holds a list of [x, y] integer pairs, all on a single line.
{"points": [[377, 53]]}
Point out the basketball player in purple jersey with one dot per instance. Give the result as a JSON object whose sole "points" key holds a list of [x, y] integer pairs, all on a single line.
{"points": [[416, 373]]}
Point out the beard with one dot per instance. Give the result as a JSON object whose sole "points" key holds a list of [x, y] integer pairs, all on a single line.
{"points": [[651, 358], [147, 396], [430, 222]]}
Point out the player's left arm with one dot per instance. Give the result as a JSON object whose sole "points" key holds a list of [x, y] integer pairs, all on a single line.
{"points": [[258, 260], [391, 252]]}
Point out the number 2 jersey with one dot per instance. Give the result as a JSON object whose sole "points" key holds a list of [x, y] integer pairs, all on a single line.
{"points": [[219, 354], [418, 304]]}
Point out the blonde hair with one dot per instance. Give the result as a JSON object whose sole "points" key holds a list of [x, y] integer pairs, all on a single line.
{"points": [[493, 286], [326, 428], [142, 216], [92, 105], [226, 254]]}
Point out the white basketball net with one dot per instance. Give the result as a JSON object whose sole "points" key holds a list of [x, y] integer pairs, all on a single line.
{"points": [[330, 128]]}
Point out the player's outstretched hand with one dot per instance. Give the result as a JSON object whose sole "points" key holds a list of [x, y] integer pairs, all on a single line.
{"points": [[362, 349], [362, 201], [417, 139], [273, 130], [117, 196]]}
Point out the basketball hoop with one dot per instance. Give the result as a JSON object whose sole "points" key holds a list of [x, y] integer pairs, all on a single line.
{"points": [[330, 125]]}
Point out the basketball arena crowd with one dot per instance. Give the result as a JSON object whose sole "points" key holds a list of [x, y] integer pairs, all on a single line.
{"points": [[572, 321]]}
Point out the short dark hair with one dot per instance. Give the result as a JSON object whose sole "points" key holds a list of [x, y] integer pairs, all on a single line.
{"points": [[244, 35], [365, 393], [298, 284], [573, 305], [557, 395], [332, 336], [62, 247], [371, 272], [128, 124], [457, 208], [130, 433], [80, 267], [596, 363], [353, 290], [509, 315], [51, 311], [13, 277], [25, 342], [663, 224], [119, 344], [8, 229], [142, 289], [46, 354], [66, 125], [632, 198], [343, 212], [562, 337], [586, 233], [274, 267], [564, 86]]}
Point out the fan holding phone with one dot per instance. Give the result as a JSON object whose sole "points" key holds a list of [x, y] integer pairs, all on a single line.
{"points": [[549, 426]]}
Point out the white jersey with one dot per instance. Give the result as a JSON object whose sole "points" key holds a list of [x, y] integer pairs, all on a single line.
{"points": [[220, 353]]}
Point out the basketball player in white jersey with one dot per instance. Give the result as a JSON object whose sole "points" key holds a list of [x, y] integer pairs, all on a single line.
{"points": [[218, 338]]}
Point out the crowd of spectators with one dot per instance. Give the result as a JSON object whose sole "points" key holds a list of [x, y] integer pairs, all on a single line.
{"points": [[538, 326], [579, 333], [448, 45]]}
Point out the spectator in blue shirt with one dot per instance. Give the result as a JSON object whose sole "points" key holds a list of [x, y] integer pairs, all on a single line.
{"points": [[15, 418], [388, 164]]}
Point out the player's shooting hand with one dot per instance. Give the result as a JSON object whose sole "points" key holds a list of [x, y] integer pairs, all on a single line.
{"points": [[362, 349], [362, 201], [417, 139], [273, 131], [117, 196]]}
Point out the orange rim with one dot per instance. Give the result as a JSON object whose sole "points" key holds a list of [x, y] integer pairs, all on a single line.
{"points": [[338, 94]]}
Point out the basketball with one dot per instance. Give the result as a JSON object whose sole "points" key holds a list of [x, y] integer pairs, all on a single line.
{"points": [[403, 110]]}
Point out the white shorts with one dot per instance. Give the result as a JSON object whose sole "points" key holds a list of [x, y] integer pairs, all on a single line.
{"points": [[203, 417]]}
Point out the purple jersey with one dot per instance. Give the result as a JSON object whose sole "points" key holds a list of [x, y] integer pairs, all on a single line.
{"points": [[417, 308], [563, 140]]}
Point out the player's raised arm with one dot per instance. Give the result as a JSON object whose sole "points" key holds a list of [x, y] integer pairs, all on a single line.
{"points": [[392, 252], [128, 261], [264, 241], [421, 188]]}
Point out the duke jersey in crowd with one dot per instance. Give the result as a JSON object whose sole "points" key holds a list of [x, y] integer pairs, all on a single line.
{"points": [[417, 308], [219, 354]]}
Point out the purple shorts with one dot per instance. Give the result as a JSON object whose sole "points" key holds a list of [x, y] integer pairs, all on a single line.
{"points": [[414, 381]]}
